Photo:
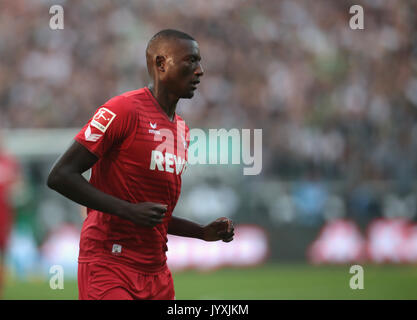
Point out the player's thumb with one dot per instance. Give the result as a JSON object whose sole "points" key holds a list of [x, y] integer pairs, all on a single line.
{"points": [[162, 208]]}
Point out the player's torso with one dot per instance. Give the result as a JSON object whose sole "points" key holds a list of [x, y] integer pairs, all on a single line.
{"points": [[148, 164], [145, 167]]}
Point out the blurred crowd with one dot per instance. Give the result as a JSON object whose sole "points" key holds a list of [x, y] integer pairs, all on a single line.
{"points": [[335, 104]]}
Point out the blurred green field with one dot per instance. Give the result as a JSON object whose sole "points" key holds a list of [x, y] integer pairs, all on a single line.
{"points": [[271, 281]]}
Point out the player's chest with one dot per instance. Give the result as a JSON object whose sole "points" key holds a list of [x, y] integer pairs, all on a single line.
{"points": [[158, 146]]}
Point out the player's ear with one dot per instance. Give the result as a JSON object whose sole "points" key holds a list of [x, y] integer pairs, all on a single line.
{"points": [[160, 63]]}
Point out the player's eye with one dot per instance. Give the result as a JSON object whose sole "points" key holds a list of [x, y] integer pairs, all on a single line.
{"points": [[193, 59]]}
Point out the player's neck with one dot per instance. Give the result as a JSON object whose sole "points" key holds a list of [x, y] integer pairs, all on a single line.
{"points": [[167, 101]]}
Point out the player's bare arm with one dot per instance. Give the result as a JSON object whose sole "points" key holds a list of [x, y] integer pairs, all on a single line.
{"points": [[66, 178], [220, 229]]}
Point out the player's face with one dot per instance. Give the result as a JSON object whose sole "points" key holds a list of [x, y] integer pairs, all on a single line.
{"points": [[183, 68]]}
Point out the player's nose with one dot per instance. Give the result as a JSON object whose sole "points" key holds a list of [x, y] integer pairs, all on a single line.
{"points": [[199, 71]]}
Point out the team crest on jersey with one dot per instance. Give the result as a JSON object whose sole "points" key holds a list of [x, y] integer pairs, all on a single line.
{"points": [[102, 119]]}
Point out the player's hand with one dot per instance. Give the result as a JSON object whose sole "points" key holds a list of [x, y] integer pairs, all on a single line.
{"points": [[145, 214], [220, 229]]}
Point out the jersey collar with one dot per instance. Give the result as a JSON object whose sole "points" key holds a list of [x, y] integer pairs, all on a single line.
{"points": [[158, 107]]}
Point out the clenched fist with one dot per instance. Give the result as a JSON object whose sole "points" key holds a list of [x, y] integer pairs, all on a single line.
{"points": [[219, 229]]}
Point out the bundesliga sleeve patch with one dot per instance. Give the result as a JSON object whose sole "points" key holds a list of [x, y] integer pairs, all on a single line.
{"points": [[102, 119]]}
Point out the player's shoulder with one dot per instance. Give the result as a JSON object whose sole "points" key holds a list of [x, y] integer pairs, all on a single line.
{"points": [[125, 103], [135, 94], [138, 100], [137, 97]]}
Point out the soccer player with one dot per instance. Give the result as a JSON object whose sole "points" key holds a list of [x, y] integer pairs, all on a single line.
{"points": [[136, 145], [9, 177]]}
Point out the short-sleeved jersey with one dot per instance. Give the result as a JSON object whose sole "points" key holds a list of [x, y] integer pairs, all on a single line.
{"points": [[142, 154]]}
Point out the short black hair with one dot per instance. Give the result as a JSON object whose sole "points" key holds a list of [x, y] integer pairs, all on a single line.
{"points": [[158, 38], [171, 33]]}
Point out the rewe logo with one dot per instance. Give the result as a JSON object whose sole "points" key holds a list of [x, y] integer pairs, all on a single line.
{"points": [[169, 163]]}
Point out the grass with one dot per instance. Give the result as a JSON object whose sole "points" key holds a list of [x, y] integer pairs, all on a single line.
{"points": [[270, 282]]}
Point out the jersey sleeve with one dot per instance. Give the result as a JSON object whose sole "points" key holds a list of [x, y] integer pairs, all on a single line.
{"points": [[111, 124]]}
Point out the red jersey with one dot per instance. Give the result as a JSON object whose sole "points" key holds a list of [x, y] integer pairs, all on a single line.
{"points": [[142, 154], [9, 171]]}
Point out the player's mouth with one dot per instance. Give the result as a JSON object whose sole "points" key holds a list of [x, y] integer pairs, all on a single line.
{"points": [[194, 84]]}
